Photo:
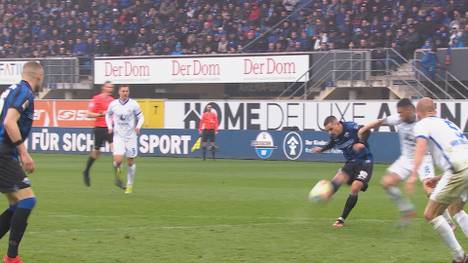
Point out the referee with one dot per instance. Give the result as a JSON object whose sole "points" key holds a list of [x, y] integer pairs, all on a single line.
{"points": [[208, 128], [97, 109]]}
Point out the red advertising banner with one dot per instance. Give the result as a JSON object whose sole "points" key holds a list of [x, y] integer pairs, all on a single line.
{"points": [[61, 113]]}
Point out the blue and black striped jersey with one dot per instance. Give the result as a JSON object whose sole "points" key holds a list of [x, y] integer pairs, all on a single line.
{"points": [[20, 97], [346, 140]]}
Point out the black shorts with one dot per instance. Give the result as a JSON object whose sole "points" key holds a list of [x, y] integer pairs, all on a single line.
{"points": [[12, 175], [359, 171], [208, 135], [101, 135]]}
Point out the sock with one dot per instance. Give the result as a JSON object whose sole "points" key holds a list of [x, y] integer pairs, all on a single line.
{"points": [[131, 174], [445, 231], [89, 163], [204, 152], [447, 217], [213, 151], [335, 186], [403, 204], [115, 165], [5, 220], [462, 220], [19, 221], [350, 203]]}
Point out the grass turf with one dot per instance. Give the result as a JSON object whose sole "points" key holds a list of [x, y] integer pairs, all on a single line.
{"points": [[186, 210]]}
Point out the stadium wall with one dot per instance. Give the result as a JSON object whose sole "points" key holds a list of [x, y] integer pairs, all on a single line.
{"points": [[299, 115], [270, 130], [243, 114], [236, 144]]}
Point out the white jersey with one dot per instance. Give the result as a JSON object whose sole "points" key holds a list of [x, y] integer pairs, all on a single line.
{"points": [[406, 134], [124, 117], [447, 143]]}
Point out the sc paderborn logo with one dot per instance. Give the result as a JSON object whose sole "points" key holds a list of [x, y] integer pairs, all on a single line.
{"points": [[264, 145], [292, 145]]}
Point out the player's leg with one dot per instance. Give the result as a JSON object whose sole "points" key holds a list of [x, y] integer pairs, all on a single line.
{"points": [[428, 189], [212, 138], [448, 189], [118, 156], [390, 183], [398, 171], [340, 178], [460, 216], [5, 217], [94, 155], [19, 219], [433, 214], [351, 202], [204, 144], [359, 175], [131, 169], [426, 173], [131, 153], [117, 164]]}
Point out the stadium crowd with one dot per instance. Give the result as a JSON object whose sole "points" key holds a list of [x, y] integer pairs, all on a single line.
{"points": [[33, 28]]}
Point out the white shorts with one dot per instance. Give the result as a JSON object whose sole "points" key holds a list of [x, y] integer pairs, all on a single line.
{"points": [[403, 167], [451, 187], [125, 146]]}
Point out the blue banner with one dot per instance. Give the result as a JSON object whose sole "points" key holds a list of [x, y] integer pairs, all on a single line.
{"points": [[238, 144]]}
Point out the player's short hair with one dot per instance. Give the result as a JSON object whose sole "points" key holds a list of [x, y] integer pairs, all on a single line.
{"points": [[124, 86], [405, 102], [329, 119], [32, 67]]}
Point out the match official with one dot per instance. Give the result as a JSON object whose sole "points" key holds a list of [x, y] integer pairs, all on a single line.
{"points": [[97, 109], [208, 128]]}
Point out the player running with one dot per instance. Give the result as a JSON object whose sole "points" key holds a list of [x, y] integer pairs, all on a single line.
{"points": [[97, 109], [124, 118], [400, 170], [357, 171], [17, 112], [449, 149]]}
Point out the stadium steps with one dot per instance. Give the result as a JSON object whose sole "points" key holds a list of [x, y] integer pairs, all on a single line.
{"points": [[325, 93], [404, 91]]}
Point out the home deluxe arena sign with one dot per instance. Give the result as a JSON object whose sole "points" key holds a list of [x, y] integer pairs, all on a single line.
{"points": [[303, 115], [226, 69]]}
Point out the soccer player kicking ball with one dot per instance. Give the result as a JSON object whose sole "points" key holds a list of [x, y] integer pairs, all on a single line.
{"points": [[124, 118], [357, 171], [17, 112], [400, 170], [449, 149]]}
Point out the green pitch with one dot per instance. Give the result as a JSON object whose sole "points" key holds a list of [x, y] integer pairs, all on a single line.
{"points": [[186, 210]]}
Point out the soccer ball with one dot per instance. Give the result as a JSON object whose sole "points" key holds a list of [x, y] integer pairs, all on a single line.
{"points": [[321, 192]]}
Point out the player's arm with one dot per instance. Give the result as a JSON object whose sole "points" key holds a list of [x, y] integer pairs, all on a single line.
{"points": [[365, 129], [91, 114], [216, 124], [11, 128], [140, 119], [109, 122], [419, 152], [201, 123], [92, 110], [330, 145]]}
